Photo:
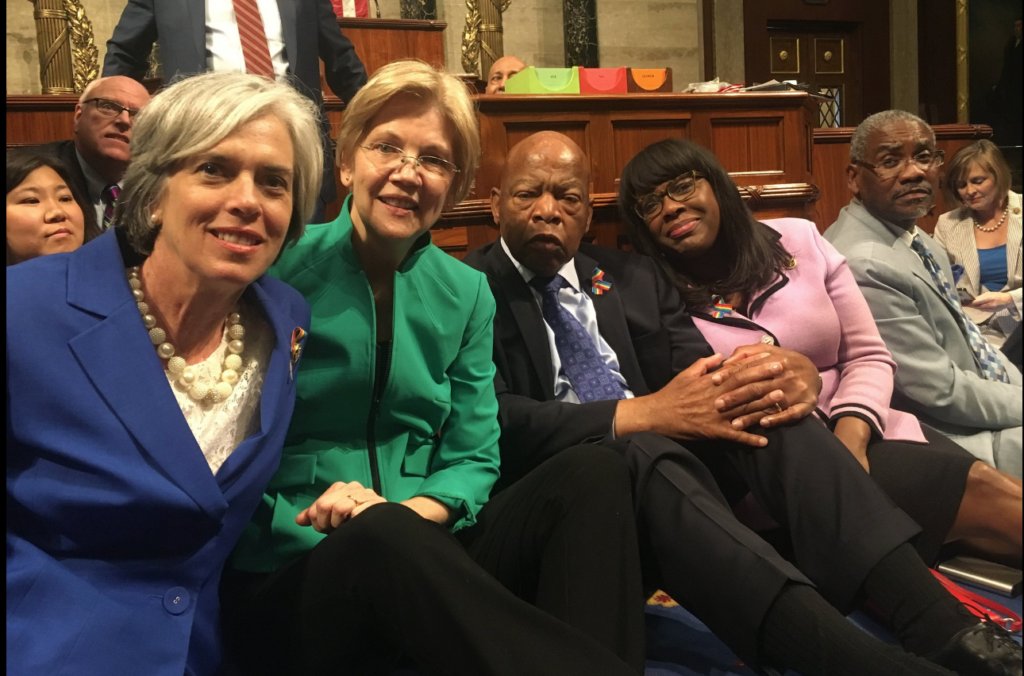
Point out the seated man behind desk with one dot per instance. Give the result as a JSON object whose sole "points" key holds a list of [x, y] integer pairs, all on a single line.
{"points": [[948, 374], [98, 155], [630, 336], [501, 70]]}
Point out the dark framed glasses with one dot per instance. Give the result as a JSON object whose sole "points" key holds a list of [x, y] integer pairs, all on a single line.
{"points": [[112, 108], [680, 189], [891, 166]]}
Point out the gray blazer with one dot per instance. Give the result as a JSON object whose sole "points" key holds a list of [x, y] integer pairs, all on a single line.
{"points": [[937, 377], [955, 233]]}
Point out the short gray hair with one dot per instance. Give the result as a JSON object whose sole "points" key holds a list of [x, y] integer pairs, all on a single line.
{"points": [[859, 142], [194, 115]]}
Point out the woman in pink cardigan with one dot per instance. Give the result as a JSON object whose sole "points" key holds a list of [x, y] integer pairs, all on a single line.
{"points": [[780, 283]]}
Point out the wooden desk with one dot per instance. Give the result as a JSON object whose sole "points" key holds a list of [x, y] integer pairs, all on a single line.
{"points": [[764, 141]]}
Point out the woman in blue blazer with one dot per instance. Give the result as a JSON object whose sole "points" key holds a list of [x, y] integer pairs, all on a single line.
{"points": [[150, 383]]}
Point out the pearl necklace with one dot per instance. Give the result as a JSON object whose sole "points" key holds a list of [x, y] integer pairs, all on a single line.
{"points": [[186, 378], [1006, 212]]}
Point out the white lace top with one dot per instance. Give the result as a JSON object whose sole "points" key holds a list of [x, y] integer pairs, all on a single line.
{"points": [[220, 428]]}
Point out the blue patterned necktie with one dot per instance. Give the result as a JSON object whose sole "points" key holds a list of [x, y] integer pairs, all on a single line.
{"points": [[984, 353], [582, 364]]}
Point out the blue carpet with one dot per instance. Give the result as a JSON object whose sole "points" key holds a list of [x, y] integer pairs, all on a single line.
{"points": [[678, 644]]}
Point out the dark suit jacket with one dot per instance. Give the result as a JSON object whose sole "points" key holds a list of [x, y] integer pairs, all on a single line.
{"points": [[642, 319], [311, 33], [65, 152]]}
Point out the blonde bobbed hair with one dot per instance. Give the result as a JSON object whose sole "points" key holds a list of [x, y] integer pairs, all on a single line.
{"points": [[435, 87], [194, 115], [986, 155]]}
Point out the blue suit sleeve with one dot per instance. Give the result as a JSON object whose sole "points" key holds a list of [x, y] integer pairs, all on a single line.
{"points": [[129, 47], [343, 70]]}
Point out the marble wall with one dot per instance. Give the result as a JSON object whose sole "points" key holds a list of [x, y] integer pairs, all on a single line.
{"points": [[651, 34]]}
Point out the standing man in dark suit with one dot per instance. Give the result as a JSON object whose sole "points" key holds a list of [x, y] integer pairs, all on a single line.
{"points": [[593, 345], [98, 155], [284, 39]]}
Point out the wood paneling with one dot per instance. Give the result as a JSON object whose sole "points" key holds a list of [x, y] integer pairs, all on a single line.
{"points": [[640, 131], [32, 120], [749, 145], [761, 138], [378, 42], [936, 60], [865, 23], [832, 155]]}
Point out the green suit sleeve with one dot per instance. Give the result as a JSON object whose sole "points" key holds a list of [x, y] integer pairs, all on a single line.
{"points": [[465, 464]]}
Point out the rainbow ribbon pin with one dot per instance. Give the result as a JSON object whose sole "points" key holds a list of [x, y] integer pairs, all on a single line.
{"points": [[720, 308], [599, 286]]}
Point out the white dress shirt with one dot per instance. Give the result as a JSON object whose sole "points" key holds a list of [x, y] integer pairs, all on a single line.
{"points": [[581, 307], [224, 45]]}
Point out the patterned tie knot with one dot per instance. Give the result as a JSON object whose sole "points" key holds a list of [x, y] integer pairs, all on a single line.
{"points": [[111, 192], [546, 285]]}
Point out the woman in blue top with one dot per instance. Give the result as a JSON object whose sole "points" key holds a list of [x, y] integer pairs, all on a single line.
{"points": [[983, 235]]}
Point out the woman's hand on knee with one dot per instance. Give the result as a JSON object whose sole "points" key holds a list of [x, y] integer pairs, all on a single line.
{"points": [[338, 504]]}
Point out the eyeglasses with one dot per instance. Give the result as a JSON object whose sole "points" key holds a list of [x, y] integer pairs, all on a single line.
{"points": [[388, 157], [892, 166], [112, 108], [680, 190]]}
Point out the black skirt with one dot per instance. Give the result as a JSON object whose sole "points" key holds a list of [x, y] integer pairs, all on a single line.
{"points": [[927, 481]]}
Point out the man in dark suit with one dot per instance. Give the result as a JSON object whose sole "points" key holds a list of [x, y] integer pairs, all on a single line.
{"points": [[592, 344], [283, 39], [98, 155]]}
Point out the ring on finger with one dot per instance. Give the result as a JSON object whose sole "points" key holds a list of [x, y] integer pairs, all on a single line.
{"points": [[775, 408]]}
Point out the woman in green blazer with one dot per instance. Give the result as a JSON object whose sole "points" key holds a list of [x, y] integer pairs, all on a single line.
{"points": [[349, 561]]}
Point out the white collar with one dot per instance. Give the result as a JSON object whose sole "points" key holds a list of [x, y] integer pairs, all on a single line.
{"points": [[568, 271]]}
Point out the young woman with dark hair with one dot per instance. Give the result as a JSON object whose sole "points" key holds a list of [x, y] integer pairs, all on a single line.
{"points": [[44, 213], [780, 283]]}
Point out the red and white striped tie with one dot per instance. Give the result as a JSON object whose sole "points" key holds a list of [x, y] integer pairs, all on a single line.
{"points": [[254, 39]]}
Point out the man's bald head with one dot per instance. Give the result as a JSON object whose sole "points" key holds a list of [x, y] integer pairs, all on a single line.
{"points": [[501, 70], [543, 207], [103, 131]]}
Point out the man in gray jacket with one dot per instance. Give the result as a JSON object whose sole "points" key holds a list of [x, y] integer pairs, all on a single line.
{"points": [[948, 374]]}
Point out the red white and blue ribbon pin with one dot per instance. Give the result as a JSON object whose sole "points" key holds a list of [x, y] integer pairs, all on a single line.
{"points": [[720, 308], [599, 285]]}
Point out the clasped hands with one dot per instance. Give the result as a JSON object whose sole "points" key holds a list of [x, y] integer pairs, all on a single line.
{"points": [[344, 501], [757, 385]]}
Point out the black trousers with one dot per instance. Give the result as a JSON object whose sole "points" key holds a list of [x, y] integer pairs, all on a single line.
{"points": [[840, 522], [389, 582]]}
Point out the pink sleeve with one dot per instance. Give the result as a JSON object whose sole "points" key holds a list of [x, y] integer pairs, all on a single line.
{"points": [[866, 369]]}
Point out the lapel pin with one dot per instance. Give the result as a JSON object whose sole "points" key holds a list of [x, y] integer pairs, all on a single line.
{"points": [[598, 283], [720, 308], [298, 335]]}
